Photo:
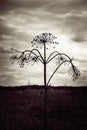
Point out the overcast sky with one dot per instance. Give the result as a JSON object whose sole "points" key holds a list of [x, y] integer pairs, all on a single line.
{"points": [[21, 20]]}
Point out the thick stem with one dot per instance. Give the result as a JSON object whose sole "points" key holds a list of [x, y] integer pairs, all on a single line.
{"points": [[44, 64], [45, 98]]}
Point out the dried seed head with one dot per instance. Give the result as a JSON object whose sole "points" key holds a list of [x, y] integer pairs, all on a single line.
{"points": [[44, 38]]}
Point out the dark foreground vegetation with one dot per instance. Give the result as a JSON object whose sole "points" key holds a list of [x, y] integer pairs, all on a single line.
{"points": [[22, 108]]}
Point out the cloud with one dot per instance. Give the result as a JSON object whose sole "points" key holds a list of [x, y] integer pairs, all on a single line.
{"points": [[59, 6], [68, 16], [8, 5], [6, 33], [2, 50], [78, 28], [62, 7]]}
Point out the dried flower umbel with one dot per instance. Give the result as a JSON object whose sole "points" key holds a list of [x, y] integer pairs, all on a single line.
{"points": [[40, 39], [74, 72]]}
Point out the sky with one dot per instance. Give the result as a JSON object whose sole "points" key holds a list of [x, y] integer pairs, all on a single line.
{"points": [[22, 20]]}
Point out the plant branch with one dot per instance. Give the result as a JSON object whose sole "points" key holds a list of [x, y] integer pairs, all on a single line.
{"points": [[39, 53], [57, 55], [31, 52], [57, 69], [52, 54]]}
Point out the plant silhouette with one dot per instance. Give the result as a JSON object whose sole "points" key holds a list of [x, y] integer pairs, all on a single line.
{"points": [[34, 55], [40, 41]]}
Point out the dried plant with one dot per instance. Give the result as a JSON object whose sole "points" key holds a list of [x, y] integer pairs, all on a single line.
{"points": [[33, 56]]}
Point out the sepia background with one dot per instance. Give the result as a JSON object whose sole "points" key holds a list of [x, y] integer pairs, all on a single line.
{"points": [[21, 20]]}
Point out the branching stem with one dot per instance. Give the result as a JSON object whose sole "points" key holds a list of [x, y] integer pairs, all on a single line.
{"points": [[57, 55], [57, 69], [52, 54], [31, 52]]}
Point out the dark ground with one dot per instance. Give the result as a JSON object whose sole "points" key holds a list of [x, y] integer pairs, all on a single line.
{"points": [[22, 108]]}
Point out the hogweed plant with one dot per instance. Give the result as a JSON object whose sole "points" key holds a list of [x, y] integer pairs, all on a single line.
{"points": [[40, 41], [34, 55]]}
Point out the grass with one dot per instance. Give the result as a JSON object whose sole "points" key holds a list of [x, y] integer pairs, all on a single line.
{"points": [[22, 108]]}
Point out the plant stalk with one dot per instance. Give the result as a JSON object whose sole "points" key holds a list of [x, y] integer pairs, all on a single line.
{"points": [[45, 84]]}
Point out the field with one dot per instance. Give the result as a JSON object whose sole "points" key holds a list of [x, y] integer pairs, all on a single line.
{"points": [[22, 108]]}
